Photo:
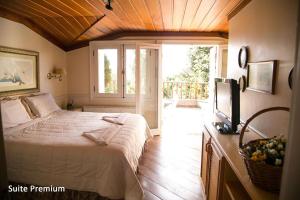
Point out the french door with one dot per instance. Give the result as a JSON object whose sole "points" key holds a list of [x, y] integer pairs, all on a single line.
{"points": [[148, 84]]}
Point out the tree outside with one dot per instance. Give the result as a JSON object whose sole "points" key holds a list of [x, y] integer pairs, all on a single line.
{"points": [[107, 76], [191, 82]]}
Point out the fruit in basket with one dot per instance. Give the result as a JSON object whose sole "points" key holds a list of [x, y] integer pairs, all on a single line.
{"points": [[270, 151]]}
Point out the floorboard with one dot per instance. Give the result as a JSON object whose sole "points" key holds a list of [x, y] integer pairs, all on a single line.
{"points": [[169, 176]]}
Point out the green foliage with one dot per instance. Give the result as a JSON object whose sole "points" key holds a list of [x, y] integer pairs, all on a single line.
{"points": [[199, 66], [107, 75], [199, 59], [198, 72]]}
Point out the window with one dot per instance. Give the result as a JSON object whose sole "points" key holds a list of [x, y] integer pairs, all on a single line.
{"points": [[130, 71], [108, 71], [113, 70]]}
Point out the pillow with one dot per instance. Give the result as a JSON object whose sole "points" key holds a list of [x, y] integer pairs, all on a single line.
{"points": [[27, 108], [42, 105], [13, 113]]}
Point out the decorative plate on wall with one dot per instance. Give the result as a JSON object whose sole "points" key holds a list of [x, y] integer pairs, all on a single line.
{"points": [[243, 57], [291, 78], [242, 83]]}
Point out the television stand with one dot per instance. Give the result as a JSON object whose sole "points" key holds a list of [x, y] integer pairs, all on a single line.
{"points": [[223, 128]]}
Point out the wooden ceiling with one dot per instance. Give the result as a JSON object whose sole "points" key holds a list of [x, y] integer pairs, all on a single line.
{"points": [[68, 23]]}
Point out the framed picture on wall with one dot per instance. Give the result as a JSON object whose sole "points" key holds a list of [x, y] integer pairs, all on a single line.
{"points": [[19, 71], [261, 76]]}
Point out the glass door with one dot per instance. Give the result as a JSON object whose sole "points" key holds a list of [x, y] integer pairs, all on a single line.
{"points": [[148, 82]]}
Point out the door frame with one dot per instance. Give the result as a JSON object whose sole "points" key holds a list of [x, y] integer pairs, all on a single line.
{"points": [[138, 94]]}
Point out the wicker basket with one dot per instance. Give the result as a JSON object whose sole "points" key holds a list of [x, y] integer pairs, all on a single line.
{"points": [[263, 175]]}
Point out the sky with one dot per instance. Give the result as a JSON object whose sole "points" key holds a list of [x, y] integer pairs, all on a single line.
{"points": [[174, 59]]}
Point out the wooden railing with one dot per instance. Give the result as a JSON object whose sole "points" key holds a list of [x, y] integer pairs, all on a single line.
{"points": [[185, 90]]}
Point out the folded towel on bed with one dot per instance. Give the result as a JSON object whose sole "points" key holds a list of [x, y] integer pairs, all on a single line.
{"points": [[102, 136], [120, 119]]}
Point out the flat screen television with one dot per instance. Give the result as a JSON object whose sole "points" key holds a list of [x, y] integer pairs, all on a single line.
{"points": [[227, 104]]}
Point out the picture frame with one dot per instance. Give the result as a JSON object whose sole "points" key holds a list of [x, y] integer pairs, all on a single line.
{"points": [[19, 71], [261, 76]]}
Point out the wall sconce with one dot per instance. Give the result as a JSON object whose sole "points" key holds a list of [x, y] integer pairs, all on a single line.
{"points": [[57, 73]]}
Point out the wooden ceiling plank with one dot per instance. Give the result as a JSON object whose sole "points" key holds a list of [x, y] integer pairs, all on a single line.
{"points": [[54, 29], [90, 34], [65, 20], [190, 13], [179, 10], [31, 25], [141, 9], [55, 22], [91, 26], [42, 9], [81, 10], [202, 11], [35, 18], [31, 15], [56, 6], [67, 26], [110, 15], [154, 8], [107, 21], [167, 9], [62, 13], [213, 13], [223, 26], [130, 11], [90, 7], [123, 15], [222, 17], [67, 6]]}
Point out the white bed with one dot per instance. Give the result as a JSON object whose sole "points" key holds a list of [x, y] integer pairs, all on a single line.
{"points": [[52, 151]]}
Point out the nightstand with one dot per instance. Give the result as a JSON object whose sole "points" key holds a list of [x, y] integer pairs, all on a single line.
{"points": [[79, 109]]}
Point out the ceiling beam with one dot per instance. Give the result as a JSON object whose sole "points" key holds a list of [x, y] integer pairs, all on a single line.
{"points": [[238, 8], [120, 34], [7, 14], [88, 28]]}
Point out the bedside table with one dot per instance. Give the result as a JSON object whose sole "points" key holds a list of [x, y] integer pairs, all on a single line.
{"points": [[79, 109]]}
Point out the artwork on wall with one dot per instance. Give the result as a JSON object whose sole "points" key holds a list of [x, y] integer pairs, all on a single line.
{"points": [[19, 71], [261, 76]]}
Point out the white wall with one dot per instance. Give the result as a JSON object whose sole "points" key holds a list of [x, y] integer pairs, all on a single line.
{"points": [[268, 28], [79, 76], [16, 35]]}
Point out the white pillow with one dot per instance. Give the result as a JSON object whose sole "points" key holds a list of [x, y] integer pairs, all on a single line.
{"points": [[13, 113], [42, 105]]}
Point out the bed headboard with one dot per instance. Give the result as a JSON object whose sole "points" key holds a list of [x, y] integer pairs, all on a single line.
{"points": [[3, 173]]}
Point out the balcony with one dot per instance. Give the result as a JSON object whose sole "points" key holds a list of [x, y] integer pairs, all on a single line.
{"points": [[185, 94]]}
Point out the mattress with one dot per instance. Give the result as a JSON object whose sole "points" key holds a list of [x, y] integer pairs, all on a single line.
{"points": [[52, 151]]}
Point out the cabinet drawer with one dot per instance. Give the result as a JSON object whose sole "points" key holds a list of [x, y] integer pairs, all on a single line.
{"points": [[216, 171]]}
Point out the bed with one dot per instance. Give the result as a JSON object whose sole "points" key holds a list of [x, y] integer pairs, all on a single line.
{"points": [[52, 150]]}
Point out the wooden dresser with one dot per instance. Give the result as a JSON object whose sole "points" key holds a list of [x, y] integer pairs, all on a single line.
{"points": [[223, 172]]}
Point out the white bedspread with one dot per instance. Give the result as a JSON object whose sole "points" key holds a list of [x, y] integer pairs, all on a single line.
{"points": [[52, 151]]}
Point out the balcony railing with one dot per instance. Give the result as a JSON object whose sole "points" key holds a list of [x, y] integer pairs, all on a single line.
{"points": [[185, 90]]}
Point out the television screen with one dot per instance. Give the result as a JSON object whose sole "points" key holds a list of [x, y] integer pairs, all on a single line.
{"points": [[228, 103], [224, 98]]}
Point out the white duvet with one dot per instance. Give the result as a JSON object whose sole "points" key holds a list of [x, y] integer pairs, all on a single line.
{"points": [[52, 151]]}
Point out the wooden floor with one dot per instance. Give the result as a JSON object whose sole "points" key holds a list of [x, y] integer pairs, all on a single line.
{"points": [[170, 166]]}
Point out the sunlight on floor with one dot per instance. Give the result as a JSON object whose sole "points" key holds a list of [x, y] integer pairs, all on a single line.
{"points": [[170, 166]]}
